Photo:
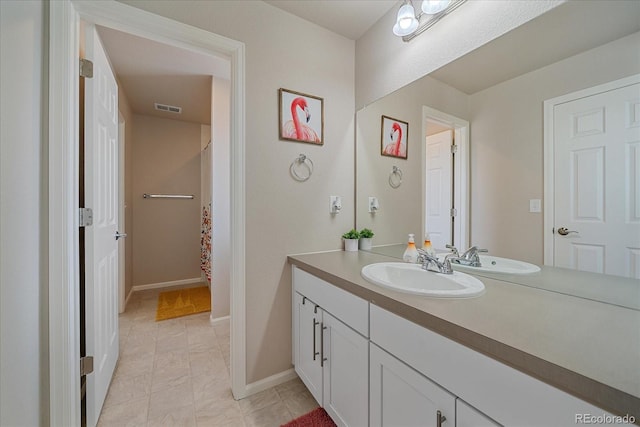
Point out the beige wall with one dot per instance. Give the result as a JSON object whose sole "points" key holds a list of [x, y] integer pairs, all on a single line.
{"points": [[507, 145], [24, 297], [166, 160], [220, 210], [127, 114], [283, 216], [400, 209]]}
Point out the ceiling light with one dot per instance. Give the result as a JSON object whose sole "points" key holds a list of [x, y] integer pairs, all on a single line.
{"points": [[431, 7], [409, 25], [406, 21]]}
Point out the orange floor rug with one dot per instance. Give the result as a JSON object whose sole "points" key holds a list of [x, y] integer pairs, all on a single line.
{"points": [[183, 302]]}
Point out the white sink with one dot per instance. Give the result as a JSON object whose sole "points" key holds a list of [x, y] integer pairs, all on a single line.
{"points": [[412, 279], [494, 264]]}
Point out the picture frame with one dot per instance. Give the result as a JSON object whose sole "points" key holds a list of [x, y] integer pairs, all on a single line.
{"points": [[300, 117], [394, 135]]}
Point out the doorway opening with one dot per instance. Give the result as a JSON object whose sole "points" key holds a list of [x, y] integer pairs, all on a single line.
{"points": [[64, 170], [445, 168]]}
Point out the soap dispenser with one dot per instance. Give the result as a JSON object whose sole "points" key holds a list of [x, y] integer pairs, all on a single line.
{"points": [[411, 253], [427, 245]]}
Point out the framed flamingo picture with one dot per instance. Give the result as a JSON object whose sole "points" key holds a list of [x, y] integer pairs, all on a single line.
{"points": [[394, 137], [301, 117]]}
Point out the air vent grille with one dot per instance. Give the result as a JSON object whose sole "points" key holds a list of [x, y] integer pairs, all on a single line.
{"points": [[168, 108]]}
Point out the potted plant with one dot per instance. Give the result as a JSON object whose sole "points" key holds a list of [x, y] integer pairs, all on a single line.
{"points": [[351, 238], [366, 239]]}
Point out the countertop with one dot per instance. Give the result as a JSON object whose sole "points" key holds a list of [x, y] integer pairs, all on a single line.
{"points": [[587, 348]]}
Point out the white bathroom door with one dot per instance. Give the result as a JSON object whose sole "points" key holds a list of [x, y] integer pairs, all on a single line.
{"points": [[439, 185], [597, 182], [101, 250]]}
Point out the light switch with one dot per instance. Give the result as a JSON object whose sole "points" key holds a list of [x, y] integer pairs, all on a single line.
{"points": [[535, 205], [335, 204]]}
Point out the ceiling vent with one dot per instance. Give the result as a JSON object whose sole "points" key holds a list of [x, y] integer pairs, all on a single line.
{"points": [[168, 108]]}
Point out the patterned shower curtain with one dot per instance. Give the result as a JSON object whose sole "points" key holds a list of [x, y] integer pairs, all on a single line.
{"points": [[205, 242], [205, 231]]}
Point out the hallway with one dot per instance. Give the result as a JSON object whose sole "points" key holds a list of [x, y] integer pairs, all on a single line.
{"points": [[176, 373]]}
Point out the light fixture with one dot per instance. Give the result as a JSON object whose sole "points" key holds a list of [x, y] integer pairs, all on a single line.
{"points": [[409, 25]]}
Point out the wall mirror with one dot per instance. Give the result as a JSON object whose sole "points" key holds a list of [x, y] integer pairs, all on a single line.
{"points": [[497, 181]]}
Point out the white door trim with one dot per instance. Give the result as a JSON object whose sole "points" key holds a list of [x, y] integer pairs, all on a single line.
{"points": [[549, 147], [63, 187], [461, 173]]}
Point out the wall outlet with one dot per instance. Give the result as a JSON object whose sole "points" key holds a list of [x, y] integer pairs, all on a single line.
{"points": [[335, 204], [535, 205]]}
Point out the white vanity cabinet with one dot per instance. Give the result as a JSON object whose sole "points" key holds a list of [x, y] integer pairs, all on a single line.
{"points": [[466, 416], [502, 393], [331, 358], [401, 397]]}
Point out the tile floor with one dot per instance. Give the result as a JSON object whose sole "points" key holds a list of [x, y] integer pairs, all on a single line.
{"points": [[176, 373]]}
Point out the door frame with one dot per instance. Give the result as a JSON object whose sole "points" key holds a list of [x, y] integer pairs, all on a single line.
{"points": [[63, 249], [461, 173], [548, 222]]}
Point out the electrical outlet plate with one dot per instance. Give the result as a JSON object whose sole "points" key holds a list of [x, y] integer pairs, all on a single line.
{"points": [[335, 204], [535, 205]]}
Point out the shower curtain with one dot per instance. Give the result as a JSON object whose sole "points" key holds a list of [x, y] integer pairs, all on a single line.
{"points": [[205, 232]]}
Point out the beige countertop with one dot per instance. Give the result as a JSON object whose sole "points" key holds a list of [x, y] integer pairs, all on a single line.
{"points": [[587, 348]]}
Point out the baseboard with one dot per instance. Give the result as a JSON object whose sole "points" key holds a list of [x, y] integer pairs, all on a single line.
{"points": [[126, 300], [218, 319], [271, 381], [166, 284]]}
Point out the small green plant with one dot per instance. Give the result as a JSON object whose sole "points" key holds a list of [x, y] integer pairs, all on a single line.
{"points": [[366, 233], [351, 234]]}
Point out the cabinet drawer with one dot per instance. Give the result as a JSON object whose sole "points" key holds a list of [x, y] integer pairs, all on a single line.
{"points": [[346, 307]]}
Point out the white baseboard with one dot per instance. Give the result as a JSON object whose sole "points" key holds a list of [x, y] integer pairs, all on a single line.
{"points": [[126, 300], [218, 319], [271, 381], [166, 284]]}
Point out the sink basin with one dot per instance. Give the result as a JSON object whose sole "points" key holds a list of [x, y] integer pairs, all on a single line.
{"points": [[412, 279], [494, 264]]}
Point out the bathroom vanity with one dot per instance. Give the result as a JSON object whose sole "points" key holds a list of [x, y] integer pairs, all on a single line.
{"points": [[514, 356]]}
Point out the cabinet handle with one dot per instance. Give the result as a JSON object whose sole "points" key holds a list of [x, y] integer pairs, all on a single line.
{"points": [[315, 353], [322, 358], [440, 419]]}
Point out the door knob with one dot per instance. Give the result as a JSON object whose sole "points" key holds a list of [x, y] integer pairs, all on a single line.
{"points": [[119, 235], [563, 231]]}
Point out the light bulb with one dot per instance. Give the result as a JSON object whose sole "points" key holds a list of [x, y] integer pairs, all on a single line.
{"points": [[431, 7], [406, 22]]}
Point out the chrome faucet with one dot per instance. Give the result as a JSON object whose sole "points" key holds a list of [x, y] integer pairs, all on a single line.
{"points": [[470, 257], [431, 263]]}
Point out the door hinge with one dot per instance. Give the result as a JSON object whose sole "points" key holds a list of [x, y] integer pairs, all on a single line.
{"points": [[86, 68], [86, 365], [453, 212], [85, 217], [454, 149]]}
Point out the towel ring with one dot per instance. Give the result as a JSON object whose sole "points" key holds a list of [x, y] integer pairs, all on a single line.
{"points": [[298, 172], [395, 177]]}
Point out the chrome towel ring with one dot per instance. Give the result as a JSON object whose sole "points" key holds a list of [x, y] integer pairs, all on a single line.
{"points": [[395, 177], [301, 168]]}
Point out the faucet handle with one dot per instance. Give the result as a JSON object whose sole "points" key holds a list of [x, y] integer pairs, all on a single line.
{"points": [[453, 249]]}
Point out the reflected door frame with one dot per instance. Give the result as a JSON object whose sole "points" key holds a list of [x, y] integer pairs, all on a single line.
{"points": [[461, 172], [549, 155]]}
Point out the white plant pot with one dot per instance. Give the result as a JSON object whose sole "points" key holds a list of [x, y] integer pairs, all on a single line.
{"points": [[365, 243], [350, 245]]}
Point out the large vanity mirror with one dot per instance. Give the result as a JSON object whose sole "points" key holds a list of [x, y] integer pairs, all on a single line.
{"points": [[492, 102]]}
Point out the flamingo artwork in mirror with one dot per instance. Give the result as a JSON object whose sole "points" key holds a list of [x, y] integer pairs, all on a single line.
{"points": [[394, 137]]}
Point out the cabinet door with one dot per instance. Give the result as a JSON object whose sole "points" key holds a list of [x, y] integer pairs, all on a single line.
{"points": [[346, 373], [306, 327], [402, 397], [466, 416]]}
